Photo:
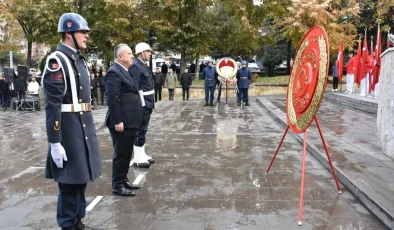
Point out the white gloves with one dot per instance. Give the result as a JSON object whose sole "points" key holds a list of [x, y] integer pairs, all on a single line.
{"points": [[58, 154]]}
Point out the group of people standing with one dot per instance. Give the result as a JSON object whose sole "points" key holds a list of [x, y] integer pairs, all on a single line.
{"points": [[211, 82], [73, 157], [170, 81]]}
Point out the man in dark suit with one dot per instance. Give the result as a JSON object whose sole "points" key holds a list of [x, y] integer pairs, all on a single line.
{"points": [[73, 157], [123, 117]]}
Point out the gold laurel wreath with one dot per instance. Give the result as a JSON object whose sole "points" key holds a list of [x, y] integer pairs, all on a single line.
{"points": [[302, 122]]}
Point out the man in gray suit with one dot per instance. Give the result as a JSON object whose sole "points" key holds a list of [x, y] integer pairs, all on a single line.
{"points": [[124, 116]]}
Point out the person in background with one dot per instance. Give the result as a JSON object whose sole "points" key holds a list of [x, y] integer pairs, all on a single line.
{"points": [[159, 80], [209, 74], [171, 81], [101, 80], [186, 82], [33, 86], [243, 76], [335, 77], [351, 70], [94, 83], [2, 91]]}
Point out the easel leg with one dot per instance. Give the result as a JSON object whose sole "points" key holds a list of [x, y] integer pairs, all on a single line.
{"points": [[277, 150], [302, 180], [328, 155]]}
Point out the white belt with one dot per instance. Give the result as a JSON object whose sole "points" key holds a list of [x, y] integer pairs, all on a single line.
{"points": [[148, 92], [142, 94], [73, 108]]}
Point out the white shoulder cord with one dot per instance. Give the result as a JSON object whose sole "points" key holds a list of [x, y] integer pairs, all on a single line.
{"points": [[72, 78], [53, 56]]}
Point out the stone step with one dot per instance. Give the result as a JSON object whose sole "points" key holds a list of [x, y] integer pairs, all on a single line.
{"points": [[353, 101]]}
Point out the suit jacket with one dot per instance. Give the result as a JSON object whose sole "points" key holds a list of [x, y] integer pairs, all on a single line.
{"points": [[124, 103]]}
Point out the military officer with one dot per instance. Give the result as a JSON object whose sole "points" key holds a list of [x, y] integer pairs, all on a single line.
{"points": [[243, 77], [209, 75], [73, 156], [143, 75]]}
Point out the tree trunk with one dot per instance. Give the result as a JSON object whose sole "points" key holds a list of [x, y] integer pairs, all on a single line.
{"points": [[196, 75], [183, 60], [29, 50], [288, 57]]}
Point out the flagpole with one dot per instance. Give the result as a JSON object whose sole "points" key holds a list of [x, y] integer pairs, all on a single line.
{"points": [[367, 75], [371, 70], [354, 77], [387, 42]]}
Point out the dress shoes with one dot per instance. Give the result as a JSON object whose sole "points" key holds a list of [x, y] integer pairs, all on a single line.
{"points": [[151, 161], [247, 104], [80, 226], [123, 191], [69, 228], [129, 185]]}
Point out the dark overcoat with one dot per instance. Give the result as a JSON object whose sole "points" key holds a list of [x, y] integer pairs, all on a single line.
{"points": [[74, 130]]}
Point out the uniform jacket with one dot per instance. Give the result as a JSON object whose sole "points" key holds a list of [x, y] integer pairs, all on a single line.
{"points": [[171, 81], [124, 103], [243, 77], [159, 79], [74, 130], [209, 75], [186, 80], [142, 74]]}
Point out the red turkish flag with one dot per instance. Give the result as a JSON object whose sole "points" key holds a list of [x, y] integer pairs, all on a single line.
{"points": [[340, 62], [362, 69], [378, 52]]}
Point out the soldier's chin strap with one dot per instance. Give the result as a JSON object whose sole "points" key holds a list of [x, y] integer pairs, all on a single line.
{"points": [[75, 41]]}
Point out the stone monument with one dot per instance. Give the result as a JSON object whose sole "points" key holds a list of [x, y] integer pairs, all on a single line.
{"points": [[385, 118]]}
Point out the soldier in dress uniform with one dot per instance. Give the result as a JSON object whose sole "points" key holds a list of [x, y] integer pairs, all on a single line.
{"points": [[209, 74], [243, 76], [144, 76], [73, 156]]}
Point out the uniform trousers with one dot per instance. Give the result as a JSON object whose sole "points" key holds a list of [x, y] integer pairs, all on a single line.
{"points": [[123, 150], [143, 129], [209, 93], [243, 95], [71, 204]]}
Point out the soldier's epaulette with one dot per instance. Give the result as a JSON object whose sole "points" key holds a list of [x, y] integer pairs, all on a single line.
{"points": [[54, 64]]}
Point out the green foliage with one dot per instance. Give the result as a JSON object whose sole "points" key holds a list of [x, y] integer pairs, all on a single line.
{"points": [[273, 56]]}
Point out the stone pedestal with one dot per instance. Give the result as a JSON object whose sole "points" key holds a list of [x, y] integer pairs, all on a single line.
{"points": [[385, 117]]}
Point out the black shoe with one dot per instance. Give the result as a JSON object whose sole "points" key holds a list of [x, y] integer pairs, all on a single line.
{"points": [[211, 103], [141, 165], [206, 103], [129, 185], [80, 226], [238, 103], [218, 100], [151, 161], [69, 228], [247, 104], [123, 191]]}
